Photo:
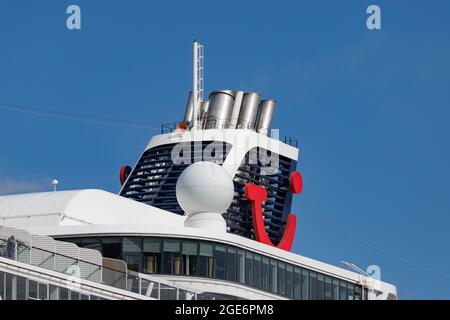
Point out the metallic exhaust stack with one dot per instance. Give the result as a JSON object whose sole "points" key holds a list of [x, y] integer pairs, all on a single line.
{"points": [[220, 108], [204, 106], [189, 113], [248, 111], [265, 115]]}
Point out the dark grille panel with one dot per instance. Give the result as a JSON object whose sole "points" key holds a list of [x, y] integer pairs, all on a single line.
{"points": [[154, 178], [279, 197]]}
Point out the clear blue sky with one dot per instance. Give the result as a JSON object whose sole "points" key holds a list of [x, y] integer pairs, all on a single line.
{"points": [[371, 109]]}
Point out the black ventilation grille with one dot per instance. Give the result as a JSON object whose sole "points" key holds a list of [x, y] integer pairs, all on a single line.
{"points": [[154, 178]]}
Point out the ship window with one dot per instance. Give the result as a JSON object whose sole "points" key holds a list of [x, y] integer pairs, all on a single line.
{"points": [[343, 290], [335, 289], [305, 284], [152, 255], [53, 290], [289, 280], [273, 276], [112, 248], [281, 278], [350, 291], [63, 294], [249, 268], [231, 264], [320, 287], [297, 283], [205, 260], [357, 293], [21, 288], [241, 266], [43, 291], [312, 285], [132, 253], [2, 284], [171, 257], [265, 273], [32, 289], [328, 294], [257, 271], [74, 295], [219, 262], [190, 252]]}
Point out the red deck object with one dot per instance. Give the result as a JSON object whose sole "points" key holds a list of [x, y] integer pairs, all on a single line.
{"points": [[296, 182], [124, 173]]}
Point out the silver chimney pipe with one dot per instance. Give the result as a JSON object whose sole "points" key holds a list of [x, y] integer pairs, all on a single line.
{"points": [[248, 111], [189, 113], [265, 115], [204, 106], [236, 109], [220, 108]]}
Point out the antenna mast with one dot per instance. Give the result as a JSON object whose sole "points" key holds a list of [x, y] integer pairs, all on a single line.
{"points": [[197, 81]]}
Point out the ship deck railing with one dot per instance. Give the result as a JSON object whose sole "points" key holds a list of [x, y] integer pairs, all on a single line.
{"points": [[172, 126], [110, 272]]}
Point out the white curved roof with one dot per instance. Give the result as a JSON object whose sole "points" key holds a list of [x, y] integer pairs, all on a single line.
{"points": [[79, 207]]}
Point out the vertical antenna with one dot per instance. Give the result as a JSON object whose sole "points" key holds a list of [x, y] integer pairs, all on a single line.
{"points": [[197, 80]]}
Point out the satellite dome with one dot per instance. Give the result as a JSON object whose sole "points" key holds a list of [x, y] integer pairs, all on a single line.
{"points": [[205, 187]]}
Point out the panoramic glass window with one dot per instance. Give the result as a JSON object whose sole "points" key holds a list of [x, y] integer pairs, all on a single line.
{"points": [[189, 251], [172, 257], [205, 260], [219, 262], [152, 255]]}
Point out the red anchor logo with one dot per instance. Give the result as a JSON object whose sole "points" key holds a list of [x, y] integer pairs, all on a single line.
{"points": [[257, 195]]}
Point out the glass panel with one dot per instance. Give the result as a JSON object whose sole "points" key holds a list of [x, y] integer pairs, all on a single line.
{"points": [[205, 260], [357, 293], [133, 244], [171, 245], [149, 288], [257, 271], [281, 278], [320, 291], [32, 289], [43, 291], [328, 295], [343, 290], [249, 268], [305, 284], [189, 251], [84, 297], [172, 257], [2, 285], [231, 264], [112, 247], [21, 288], [53, 292], [273, 276], [219, 262], [74, 295], [335, 289], [152, 262], [312, 285], [152, 245], [9, 286], [289, 281], [241, 266], [63, 294], [350, 291], [297, 283], [168, 292], [134, 261], [265, 274]]}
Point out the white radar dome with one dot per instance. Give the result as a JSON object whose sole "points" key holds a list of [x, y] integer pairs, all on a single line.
{"points": [[204, 187]]}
